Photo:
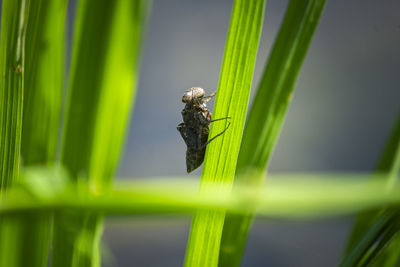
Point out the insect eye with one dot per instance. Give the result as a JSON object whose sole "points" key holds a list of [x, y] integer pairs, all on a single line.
{"points": [[187, 97]]}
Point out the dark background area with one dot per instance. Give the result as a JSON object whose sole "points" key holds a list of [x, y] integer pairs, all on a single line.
{"points": [[345, 103]]}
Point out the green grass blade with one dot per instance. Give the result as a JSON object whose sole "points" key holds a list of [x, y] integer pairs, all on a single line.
{"points": [[277, 84], [368, 222], [231, 101], [43, 86], [13, 27], [389, 163], [268, 111], [102, 86], [389, 255], [103, 74], [378, 249], [14, 20], [367, 247], [298, 196]]}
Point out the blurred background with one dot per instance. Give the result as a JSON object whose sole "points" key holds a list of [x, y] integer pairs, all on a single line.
{"points": [[346, 99]]}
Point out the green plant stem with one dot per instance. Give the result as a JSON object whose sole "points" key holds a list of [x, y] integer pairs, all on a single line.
{"points": [[267, 114], [231, 101]]}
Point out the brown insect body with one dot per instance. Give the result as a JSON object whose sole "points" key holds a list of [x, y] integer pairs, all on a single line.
{"points": [[195, 126]]}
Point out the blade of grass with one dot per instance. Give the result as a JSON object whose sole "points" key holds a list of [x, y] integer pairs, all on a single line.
{"points": [[374, 252], [389, 163], [13, 26], [104, 74], [231, 101], [367, 223], [286, 196], [12, 71], [381, 230], [389, 255], [44, 81], [267, 113], [43, 85]]}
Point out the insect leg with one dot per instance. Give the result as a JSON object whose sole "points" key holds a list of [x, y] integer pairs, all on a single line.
{"points": [[217, 134], [220, 119], [208, 98]]}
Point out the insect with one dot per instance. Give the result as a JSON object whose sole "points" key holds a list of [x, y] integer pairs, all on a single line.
{"points": [[196, 126]]}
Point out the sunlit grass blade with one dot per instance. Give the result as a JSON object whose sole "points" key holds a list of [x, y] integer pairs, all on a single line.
{"points": [[13, 27], [43, 86], [231, 101], [14, 19], [300, 196], [43, 81], [367, 223], [267, 113], [102, 86]]}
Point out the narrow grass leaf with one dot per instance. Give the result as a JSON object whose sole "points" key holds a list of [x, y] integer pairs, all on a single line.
{"points": [[13, 28], [360, 251], [43, 85], [231, 101], [300, 196], [389, 255], [383, 244], [267, 113], [102, 86], [367, 222], [14, 19], [389, 163]]}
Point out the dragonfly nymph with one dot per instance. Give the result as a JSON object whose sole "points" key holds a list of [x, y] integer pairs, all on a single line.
{"points": [[196, 126]]}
